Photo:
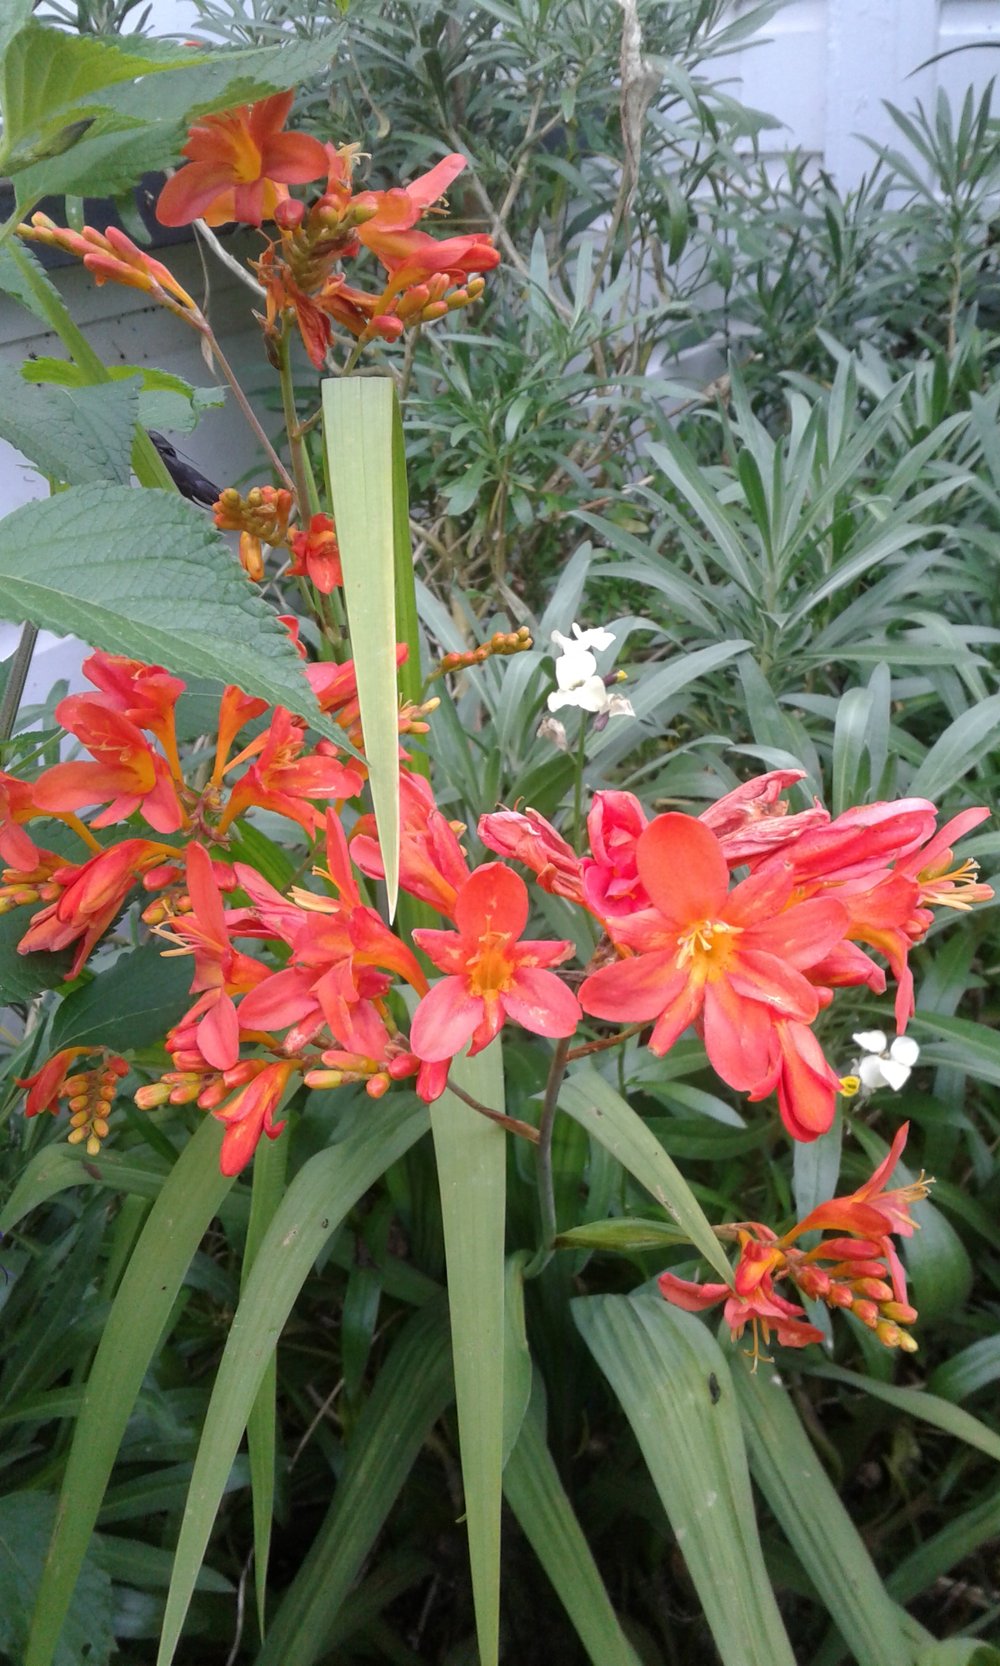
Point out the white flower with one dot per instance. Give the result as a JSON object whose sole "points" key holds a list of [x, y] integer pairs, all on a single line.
{"points": [[577, 677], [885, 1065]]}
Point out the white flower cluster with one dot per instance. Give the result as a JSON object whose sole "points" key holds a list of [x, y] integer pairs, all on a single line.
{"points": [[579, 683], [884, 1064]]}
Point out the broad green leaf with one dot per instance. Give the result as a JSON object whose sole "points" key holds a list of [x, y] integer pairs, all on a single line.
{"points": [[23, 976], [412, 1389], [607, 1118], [165, 400], [177, 1222], [133, 1004], [471, 1156], [322, 1193], [916, 1402], [16, 15], [25, 1526], [73, 435], [15, 261], [270, 1164], [965, 743], [147, 575], [805, 1502], [538, 1498], [673, 1383], [360, 422]]}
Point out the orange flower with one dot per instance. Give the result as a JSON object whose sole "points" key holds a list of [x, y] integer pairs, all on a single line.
{"points": [[241, 162], [317, 555], [112, 256]]}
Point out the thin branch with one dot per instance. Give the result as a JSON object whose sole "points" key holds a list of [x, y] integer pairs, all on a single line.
{"points": [[512, 1123]]}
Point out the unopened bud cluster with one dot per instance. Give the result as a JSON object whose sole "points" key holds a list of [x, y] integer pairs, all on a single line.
{"points": [[260, 518], [89, 1096], [500, 645]]}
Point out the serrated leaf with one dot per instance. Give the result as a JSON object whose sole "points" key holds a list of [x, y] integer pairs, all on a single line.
{"points": [[26, 290], [190, 1197], [673, 1383], [23, 976], [165, 400], [471, 1156], [323, 1191], [805, 1502], [144, 574], [130, 1005], [26, 1520], [72, 434]]}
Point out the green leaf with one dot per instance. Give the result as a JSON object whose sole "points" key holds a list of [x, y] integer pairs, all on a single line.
{"points": [[965, 743], [607, 1118], [916, 1402], [16, 15], [28, 291], [673, 1383], [146, 575], [25, 1525], [359, 420], [165, 400], [625, 1235], [538, 1498], [270, 1164], [131, 1005], [805, 1502], [73, 435], [960, 1538], [959, 1651], [967, 1372], [471, 1156], [516, 1355], [972, 1047], [57, 1167], [177, 1222], [23, 976], [322, 1193], [412, 1389]]}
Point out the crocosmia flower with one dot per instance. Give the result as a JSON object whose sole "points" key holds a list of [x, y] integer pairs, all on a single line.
{"points": [[733, 961], [491, 974], [241, 162]]}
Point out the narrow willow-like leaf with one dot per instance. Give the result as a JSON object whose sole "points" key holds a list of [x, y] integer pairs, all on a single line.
{"points": [[928, 1408], [471, 1156], [829, 1546], [960, 1538], [538, 1499], [413, 1387], [359, 416], [270, 1164], [311, 1211], [674, 1386], [610, 1120], [516, 1354], [178, 1221]]}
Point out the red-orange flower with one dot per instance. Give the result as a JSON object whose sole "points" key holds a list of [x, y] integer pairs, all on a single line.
{"points": [[734, 961], [112, 256], [491, 974], [317, 555], [125, 770], [240, 163], [250, 1112], [92, 897]]}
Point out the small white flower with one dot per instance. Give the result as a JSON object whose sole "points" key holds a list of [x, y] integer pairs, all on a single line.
{"points": [[885, 1064], [578, 680]]}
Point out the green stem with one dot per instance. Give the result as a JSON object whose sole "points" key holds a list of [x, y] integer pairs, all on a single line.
{"points": [[581, 760], [16, 679], [305, 485], [543, 1160]]}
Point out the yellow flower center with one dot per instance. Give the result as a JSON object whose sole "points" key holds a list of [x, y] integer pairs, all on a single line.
{"points": [[708, 946], [491, 971]]}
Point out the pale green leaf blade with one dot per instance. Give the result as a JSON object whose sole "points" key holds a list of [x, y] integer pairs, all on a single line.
{"points": [[606, 1116], [413, 1387], [471, 1156], [964, 743], [146, 1295], [57, 1167], [314, 1205], [516, 1355], [25, 1529], [805, 1502], [147, 575], [16, 15], [538, 1498], [959, 1651], [928, 1408], [674, 1386], [270, 1165], [359, 415]]}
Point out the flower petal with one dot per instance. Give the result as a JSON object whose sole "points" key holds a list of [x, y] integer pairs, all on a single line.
{"points": [[683, 869]]}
